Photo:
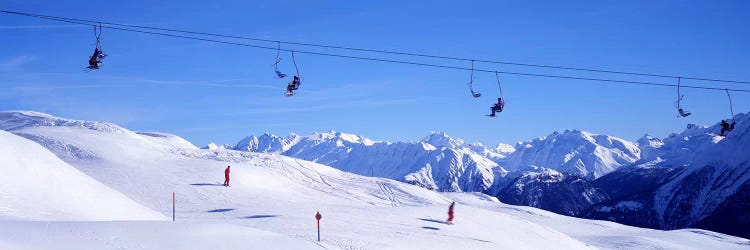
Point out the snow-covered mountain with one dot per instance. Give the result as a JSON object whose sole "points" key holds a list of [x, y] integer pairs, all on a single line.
{"points": [[574, 152], [214, 146], [679, 146], [545, 171], [574, 172], [438, 162], [701, 180], [273, 199], [555, 172], [547, 189]]}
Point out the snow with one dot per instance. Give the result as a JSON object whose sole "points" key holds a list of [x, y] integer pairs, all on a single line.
{"points": [[214, 146], [505, 149], [441, 139], [574, 152], [428, 147], [438, 162], [167, 140], [273, 199], [609, 235], [10, 120], [141, 235], [710, 169], [36, 185]]}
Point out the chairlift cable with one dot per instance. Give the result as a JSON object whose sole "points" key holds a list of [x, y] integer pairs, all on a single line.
{"points": [[88, 22], [407, 62]]}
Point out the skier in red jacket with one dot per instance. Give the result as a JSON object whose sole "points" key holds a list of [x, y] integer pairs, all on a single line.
{"points": [[226, 177], [450, 214]]}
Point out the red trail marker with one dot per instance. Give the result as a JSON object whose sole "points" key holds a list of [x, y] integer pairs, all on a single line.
{"points": [[317, 217]]}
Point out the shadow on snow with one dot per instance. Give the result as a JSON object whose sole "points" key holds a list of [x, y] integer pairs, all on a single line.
{"points": [[206, 184], [220, 210], [433, 220], [260, 216]]}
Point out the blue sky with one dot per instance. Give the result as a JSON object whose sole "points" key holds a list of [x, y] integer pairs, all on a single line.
{"points": [[208, 92]]}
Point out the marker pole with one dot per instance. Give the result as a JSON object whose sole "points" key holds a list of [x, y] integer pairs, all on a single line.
{"points": [[318, 217]]}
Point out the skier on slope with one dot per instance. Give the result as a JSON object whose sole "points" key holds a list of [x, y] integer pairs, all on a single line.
{"points": [[450, 214], [226, 177]]}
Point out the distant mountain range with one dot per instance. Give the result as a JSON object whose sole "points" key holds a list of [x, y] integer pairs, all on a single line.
{"points": [[690, 179], [438, 162]]}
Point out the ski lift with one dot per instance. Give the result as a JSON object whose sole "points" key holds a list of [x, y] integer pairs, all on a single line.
{"points": [[500, 105], [296, 82], [278, 75], [725, 126], [680, 110], [471, 83], [731, 109], [98, 55]]}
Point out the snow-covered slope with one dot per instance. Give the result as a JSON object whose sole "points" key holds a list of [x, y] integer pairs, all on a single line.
{"points": [[272, 192], [608, 235], [141, 235], [16, 120], [438, 162], [124, 160], [167, 140], [281, 194], [574, 152], [36, 185]]}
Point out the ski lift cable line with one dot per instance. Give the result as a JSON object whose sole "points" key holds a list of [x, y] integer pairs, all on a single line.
{"points": [[409, 62], [381, 51]]}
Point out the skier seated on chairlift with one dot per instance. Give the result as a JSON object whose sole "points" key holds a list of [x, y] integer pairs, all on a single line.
{"points": [[96, 59], [294, 85], [726, 127], [497, 107], [683, 113]]}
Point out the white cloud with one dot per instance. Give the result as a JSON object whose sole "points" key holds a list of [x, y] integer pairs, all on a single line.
{"points": [[16, 63]]}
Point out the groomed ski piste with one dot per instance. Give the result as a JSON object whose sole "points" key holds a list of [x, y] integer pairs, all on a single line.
{"points": [[69, 184]]}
